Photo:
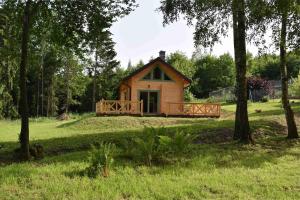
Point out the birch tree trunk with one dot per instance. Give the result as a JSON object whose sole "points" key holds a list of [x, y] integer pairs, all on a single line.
{"points": [[289, 114], [242, 128]]}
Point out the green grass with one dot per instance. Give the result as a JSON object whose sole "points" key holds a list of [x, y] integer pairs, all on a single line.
{"points": [[215, 168]]}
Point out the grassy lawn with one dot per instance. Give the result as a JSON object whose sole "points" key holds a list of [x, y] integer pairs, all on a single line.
{"points": [[215, 168]]}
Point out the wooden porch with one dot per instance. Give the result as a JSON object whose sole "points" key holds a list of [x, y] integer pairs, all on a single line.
{"points": [[194, 109], [183, 109], [119, 107]]}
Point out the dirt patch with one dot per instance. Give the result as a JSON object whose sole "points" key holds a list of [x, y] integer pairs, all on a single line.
{"points": [[215, 136], [63, 117]]}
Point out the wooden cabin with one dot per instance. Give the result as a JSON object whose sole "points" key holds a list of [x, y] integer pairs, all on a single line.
{"points": [[157, 88]]}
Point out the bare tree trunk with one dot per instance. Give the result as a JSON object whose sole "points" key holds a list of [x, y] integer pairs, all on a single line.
{"points": [[289, 114], [24, 134], [94, 83], [38, 97], [242, 128], [52, 97], [68, 86], [42, 77], [48, 101], [42, 91]]}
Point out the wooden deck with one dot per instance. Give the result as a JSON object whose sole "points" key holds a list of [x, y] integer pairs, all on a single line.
{"points": [[119, 107], [184, 109], [194, 109]]}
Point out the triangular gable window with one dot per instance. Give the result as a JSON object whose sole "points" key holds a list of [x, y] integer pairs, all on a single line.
{"points": [[166, 77], [157, 74], [147, 77]]}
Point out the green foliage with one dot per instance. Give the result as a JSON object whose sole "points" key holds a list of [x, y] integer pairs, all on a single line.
{"points": [[212, 171], [177, 144], [264, 99], [268, 66], [157, 144], [212, 73], [182, 63], [188, 95], [295, 87], [100, 159], [147, 147]]}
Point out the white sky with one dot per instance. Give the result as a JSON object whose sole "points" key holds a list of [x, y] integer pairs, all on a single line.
{"points": [[141, 35]]}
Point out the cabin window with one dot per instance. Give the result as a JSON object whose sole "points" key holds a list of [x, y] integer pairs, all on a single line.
{"points": [[147, 77], [166, 77], [157, 74]]}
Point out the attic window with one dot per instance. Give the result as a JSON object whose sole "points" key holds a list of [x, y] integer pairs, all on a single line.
{"points": [[167, 78], [157, 74], [147, 77]]}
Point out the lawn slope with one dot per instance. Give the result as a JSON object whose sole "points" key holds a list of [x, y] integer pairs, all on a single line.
{"points": [[215, 168]]}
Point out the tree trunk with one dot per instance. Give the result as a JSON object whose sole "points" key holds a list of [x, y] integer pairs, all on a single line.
{"points": [[24, 134], [67, 86], [94, 95], [53, 110], [42, 91], [94, 83], [242, 128], [289, 114], [48, 101], [38, 97]]}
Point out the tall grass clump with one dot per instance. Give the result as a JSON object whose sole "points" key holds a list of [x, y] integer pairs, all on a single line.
{"points": [[156, 144], [178, 144], [100, 159]]}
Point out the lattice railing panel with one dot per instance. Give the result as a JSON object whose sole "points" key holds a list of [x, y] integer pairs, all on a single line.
{"points": [[119, 107], [194, 109]]}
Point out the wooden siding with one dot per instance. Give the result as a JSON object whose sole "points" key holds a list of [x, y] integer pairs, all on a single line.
{"points": [[169, 91]]}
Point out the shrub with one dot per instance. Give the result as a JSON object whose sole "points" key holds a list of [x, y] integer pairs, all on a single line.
{"points": [[127, 146], [155, 144], [101, 159], [212, 100], [265, 99], [258, 88], [295, 87], [147, 147], [178, 143]]}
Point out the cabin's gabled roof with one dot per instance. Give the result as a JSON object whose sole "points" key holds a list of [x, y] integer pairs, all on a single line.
{"points": [[150, 63]]}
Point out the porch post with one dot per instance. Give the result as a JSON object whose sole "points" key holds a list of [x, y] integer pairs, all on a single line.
{"points": [[142, 107]]}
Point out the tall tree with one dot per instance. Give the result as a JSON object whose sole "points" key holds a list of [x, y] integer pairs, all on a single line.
{"points": [[213, 19], [242, 128], [72, 20], [104, 64], [286, 9], [24, 134], [182, 63], [212, 73], [283, 18]]}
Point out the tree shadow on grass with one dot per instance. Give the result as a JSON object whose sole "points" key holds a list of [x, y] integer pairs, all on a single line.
{"points": [[213, 148], [267, 113], [76, 121]]}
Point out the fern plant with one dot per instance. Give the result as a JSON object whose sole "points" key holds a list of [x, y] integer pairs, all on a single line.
{"points": [[147, 146], [101, 158], [176, 144]]}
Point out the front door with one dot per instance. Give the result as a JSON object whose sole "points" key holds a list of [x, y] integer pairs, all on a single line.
{"points": [[150, 100]]}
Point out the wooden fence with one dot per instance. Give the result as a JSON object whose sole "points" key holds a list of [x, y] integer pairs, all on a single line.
{"points": [[119, 107], [194, 109]]}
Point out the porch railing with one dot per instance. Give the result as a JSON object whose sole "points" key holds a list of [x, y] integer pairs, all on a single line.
{"points": [[194, 109], [119, 107]]}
